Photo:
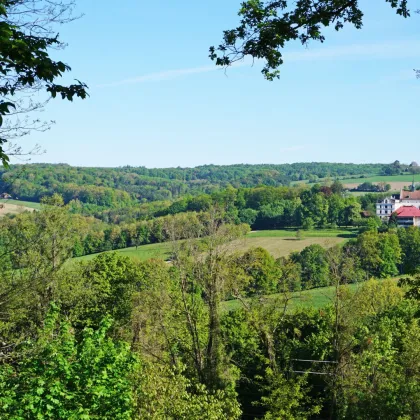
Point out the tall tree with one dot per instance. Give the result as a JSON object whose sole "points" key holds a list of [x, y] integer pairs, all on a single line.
{"points": [[33, 248]]}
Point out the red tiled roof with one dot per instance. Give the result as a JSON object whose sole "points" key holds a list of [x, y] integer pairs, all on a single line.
{"points": [[410, 195], [408, 211]]}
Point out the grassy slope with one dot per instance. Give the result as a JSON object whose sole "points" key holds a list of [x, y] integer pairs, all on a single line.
{"points": [[282, 246], [316, 298], [142, 253], [29, 204], [314, 233], [379, 178], [407, 179], [278, 242]]}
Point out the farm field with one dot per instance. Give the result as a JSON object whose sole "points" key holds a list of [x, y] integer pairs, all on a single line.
{"points": [[315, 298], [278, 242], [142, 253], [396, 181], [341, 179], [16, 206], [314, 233], [383, 178], [280, 246], [28, 204]]}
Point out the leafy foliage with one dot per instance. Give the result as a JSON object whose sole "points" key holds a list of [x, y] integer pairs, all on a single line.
{"points": [[267, 26], [173, 352], [57, 377], [25, 62], [36, 180]]}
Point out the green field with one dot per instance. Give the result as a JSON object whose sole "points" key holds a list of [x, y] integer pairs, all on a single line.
{"points": [[281, 246], [278, 242], [316, 298], [28, 204], [142, 253], [378, 178], [406, 179], [314, 233]]}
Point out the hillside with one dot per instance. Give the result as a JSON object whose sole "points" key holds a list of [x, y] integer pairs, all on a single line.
{"points": [[117, 186], [313, 298], [279, 243]]}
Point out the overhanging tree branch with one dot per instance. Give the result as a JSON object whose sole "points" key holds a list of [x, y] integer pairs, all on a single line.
{"points": [[26, 36], [267, 26]]}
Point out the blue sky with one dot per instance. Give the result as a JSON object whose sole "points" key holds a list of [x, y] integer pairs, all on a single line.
{"points": [[158, 101]]}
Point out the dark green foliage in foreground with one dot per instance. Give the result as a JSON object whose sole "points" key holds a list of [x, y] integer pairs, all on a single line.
{"points": [[173, 352], [57, 377]]}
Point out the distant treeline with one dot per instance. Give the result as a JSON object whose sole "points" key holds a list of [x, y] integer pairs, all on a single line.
{"points": [[115, 187], [370, 187], [261, 207]]}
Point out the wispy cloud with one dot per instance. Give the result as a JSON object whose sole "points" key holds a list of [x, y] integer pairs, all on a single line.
{"points": [[291, 149], [400, 49], [390, 50], [160, 76]]}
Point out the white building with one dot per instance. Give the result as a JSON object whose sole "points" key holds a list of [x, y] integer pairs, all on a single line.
{"points": [[390, 205]]}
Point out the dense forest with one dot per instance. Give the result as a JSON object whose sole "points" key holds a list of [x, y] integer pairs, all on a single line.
{"points": [[114, 338], [115, 187]]}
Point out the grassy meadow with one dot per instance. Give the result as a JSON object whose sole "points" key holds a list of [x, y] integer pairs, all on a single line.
{"points": [[313, 233], [28, 204], [383, 178], [142, 253], [278, 242], [396, 181], [281, 246], [315, 298]]}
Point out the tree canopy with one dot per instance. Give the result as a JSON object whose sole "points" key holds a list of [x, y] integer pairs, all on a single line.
{"points": [[118, 338], [267, 26]]}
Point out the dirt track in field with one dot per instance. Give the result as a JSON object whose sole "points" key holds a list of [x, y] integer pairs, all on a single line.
{"points": [[6, 208]]}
